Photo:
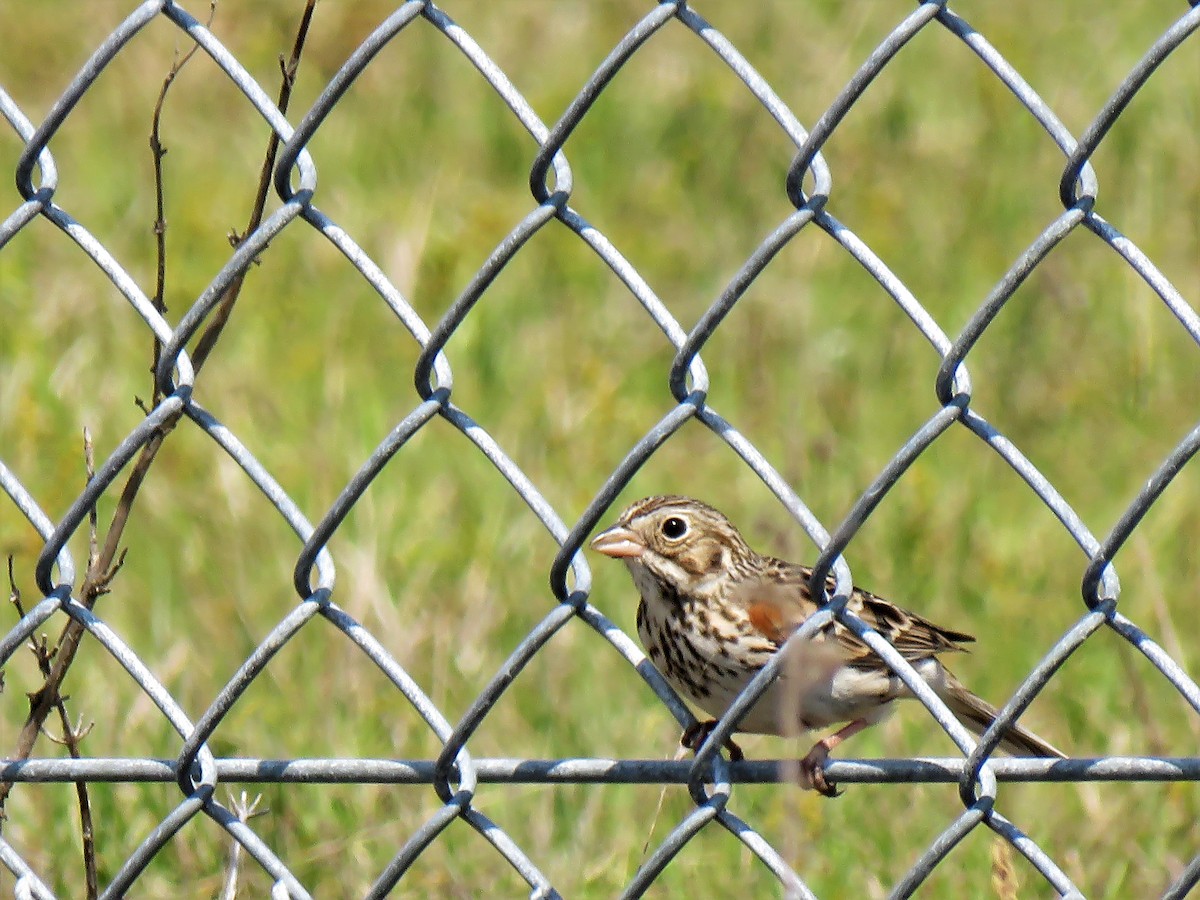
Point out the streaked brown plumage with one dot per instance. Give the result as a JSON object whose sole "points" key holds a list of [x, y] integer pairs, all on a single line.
{"points": [[713, 612]]}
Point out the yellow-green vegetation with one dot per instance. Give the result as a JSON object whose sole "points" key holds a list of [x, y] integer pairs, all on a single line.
{"points": [[937, 168]]}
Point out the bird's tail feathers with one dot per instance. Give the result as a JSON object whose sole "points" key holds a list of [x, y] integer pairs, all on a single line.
{"points": [[977, 714]]}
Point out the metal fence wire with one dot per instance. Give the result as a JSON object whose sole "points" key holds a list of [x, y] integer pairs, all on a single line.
{"points": [[455, 774]]}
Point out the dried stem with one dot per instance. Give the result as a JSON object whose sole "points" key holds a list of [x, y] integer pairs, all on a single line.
{"points": [[104, 565], [157, 152], [224, 310], [72, 736], [14, 592], [44, 700]]}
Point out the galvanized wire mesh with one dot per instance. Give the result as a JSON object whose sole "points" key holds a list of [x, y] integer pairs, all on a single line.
{"points": [[455, 773]]}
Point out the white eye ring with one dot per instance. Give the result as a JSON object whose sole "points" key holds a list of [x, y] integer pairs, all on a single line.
{"points": [[674, 528]]}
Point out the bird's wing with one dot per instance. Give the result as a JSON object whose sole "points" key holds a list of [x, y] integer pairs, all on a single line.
{"points": [[779, 602]]}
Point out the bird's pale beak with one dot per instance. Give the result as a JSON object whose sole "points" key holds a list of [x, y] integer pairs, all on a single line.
{"points": [[618, 542]]}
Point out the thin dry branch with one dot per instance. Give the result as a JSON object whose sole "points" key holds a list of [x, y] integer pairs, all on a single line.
{"points": [[221, 315], [104, 565], [157, 152]]}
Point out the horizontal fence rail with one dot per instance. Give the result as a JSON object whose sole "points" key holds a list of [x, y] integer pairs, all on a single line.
{"points": [[198, 770], [602, 771]]}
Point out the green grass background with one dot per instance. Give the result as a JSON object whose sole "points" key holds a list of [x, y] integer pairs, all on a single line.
{"points": [[937, 168]]}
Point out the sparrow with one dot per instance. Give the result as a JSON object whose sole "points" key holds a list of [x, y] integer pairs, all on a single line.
{"points": [[713, 612]]}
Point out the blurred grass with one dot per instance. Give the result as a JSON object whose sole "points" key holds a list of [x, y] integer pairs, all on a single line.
{"points": [[937, 168]]}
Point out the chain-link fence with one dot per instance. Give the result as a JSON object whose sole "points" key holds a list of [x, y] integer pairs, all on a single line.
{"points": [[68, 593]]}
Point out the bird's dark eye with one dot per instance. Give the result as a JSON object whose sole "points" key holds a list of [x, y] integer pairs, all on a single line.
{"points": [[674, 528]]}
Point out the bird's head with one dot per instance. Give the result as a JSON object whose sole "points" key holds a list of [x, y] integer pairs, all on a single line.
{"points": [[675, 539]]}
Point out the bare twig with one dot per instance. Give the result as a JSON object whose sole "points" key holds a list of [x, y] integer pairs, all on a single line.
{"points": [[101, 572], [14, 592], [101, 566], [54, 663], [89, 462], [72, 736], [106, 563], [224, 310], [157, 152], [14, 597]]}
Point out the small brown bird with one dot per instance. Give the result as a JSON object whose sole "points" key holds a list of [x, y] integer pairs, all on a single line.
{"points": [[713, 612]]}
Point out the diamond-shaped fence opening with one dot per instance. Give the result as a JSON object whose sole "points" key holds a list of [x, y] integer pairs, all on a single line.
{"points": [[929, 273]]}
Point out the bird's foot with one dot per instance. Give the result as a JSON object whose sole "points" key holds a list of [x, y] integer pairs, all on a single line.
{"points": [[697, 733], [812, 771]]}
